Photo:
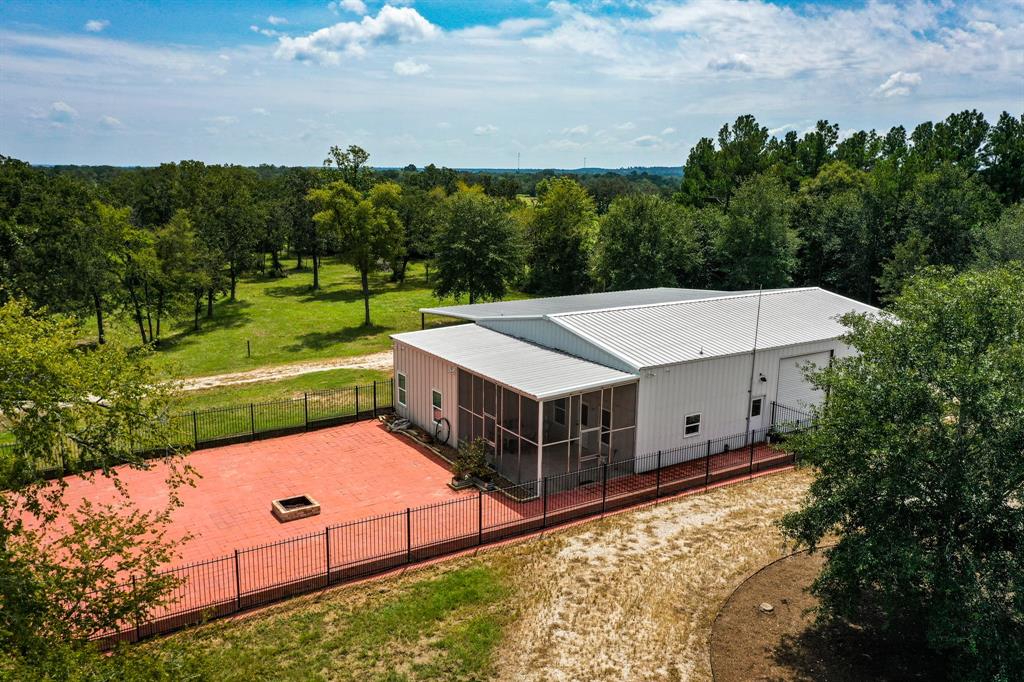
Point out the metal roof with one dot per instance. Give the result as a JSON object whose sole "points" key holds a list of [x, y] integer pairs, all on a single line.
{"points": [[539, 307], [536, 371], [670, 333]]}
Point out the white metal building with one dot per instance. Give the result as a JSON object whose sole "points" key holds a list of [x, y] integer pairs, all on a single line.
{"points": [[556, 385]]}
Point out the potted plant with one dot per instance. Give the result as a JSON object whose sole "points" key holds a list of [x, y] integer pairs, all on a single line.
{"points": [[470, 465]]}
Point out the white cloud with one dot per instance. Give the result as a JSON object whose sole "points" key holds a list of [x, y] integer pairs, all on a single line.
{"points": [[509, 28], [110, 122], [734, 62], [392, 25], [577, 130], [96, 25], [354, 6], [668, 131], [260, 111], [646, 141], [579, 32], [485, 129], [59, 114], [276, 21], [899, 84], [410, 67], [269, 32], [223, 120], [628, 125]]}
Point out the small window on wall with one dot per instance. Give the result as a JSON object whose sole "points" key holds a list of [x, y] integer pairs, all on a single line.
{"points": [[401, 390], [691, 425], [435, 398], [755, 407]]}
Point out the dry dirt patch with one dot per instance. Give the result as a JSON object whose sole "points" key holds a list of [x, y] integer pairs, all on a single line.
{"points": [[380, 360], [633, 597]]}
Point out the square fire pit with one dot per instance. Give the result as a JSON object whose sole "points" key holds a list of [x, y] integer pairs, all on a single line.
{"points": [[294, 508]]}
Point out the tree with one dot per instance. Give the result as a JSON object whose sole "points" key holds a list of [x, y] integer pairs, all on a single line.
{"points": [[477, 248], [350, 163], [62, 568], [1002, 242], [367, 227], [644, 242], [561, 237], [228, 219], [182, 276], [1003, 155], [918, 471], [757, 246], [419, 211], [948, 206]]}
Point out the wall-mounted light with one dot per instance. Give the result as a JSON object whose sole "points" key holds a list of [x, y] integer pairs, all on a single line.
{"points": [[763, 379]]}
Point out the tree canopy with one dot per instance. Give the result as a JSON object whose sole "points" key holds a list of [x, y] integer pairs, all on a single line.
{"points": [[919, 474]]}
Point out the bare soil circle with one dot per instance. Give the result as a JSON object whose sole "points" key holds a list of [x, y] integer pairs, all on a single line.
{"points": [[784, 644]]}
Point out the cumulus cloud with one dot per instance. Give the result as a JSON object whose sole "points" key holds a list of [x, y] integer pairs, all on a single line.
{"points": [[276, 21], [577, 130], [269, 32], [391, 26], [96, 25], [410, 67], [734, 62], [899, 84], [668, 131], [579, 32], [59, 114], [485, 130], [354, 6]]}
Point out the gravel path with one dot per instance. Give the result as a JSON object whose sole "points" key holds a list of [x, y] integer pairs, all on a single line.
{"points": [[380, 360]]}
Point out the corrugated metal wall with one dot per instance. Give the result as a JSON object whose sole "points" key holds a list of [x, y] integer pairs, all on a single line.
{"points": [[547, 333], [718, 389], [425, 373]]}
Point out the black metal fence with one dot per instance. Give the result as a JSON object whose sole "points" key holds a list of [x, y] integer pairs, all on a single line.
{"points": [[256, 576], [226, 425]]}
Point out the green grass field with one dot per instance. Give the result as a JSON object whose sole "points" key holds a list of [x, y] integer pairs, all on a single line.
{"points": [[441, 627], [285, 321]]}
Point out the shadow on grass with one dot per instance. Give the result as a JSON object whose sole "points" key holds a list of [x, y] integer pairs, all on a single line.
{"points": [[321, 340], [845, 652], [304, 293]]}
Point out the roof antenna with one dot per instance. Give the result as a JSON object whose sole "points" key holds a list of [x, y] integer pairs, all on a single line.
{"points": [[753, 356]]}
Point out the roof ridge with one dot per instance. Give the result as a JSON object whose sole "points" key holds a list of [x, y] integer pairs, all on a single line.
{"points": [[770, 292]]}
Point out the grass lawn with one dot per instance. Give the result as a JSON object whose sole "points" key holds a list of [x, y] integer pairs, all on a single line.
{"points": [[285, 321], [633, 596], [442, 627], [283, 389]]}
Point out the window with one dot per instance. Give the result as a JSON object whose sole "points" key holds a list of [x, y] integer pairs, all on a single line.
{"points": [[691, 425], [755, 407], [401, 390], [435, 398]]}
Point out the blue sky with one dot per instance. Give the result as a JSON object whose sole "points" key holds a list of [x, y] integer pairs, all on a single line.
{"points": [[474, 83]]}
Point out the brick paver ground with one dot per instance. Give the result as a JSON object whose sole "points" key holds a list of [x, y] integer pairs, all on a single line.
{"points": [[353, 471]]}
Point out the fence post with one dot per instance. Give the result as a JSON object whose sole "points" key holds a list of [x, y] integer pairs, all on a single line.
{"points": [[138, 626], [252, 420], [374, 398], [238, 584], [657, 478], [773, 413], [707, 466], [327, 551], [544, 518], [604, 487], [408, 535], [750, 470], [480, 516], [305, 408], [195, 430]]}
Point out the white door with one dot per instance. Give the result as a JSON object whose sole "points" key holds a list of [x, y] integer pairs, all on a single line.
{"points": [[794, 391]]}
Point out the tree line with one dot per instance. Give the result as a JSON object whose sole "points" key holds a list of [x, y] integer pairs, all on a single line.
{"points": [[857, 214]]}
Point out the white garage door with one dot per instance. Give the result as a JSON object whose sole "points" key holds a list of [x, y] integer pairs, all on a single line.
{"points": [[794, 390]]}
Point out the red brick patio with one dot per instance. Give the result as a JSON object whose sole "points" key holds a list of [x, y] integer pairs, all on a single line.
{"points": [[353, 471]]}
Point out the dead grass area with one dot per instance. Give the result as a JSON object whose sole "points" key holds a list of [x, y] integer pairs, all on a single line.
{"points": [[633, 597]]}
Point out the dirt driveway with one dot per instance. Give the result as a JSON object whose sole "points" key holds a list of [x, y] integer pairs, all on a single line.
{"points": [[633, 597], [380, 360]]}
